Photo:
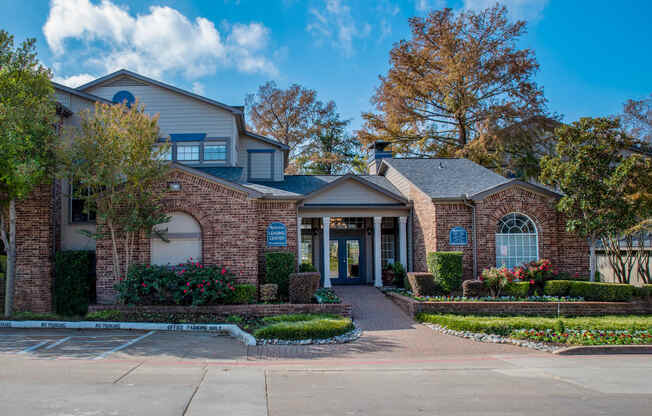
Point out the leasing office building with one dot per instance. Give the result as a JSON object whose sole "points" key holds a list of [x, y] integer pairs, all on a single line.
{"points": [[230, 202]]}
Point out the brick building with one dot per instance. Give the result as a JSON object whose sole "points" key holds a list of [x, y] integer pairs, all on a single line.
{"points": [[230, 202]]}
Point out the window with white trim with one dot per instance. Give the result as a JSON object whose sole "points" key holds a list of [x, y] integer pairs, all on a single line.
{"points": [[188, 152], [517, 240]]}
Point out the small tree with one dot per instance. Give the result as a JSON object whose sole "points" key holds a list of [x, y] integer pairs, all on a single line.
{"points": [[117, 169], [27, 136], [597, 175]]}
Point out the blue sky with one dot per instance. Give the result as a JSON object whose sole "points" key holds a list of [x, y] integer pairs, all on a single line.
{"points": [[594, 55]]}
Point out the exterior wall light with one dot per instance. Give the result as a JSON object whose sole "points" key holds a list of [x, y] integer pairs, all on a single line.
{"points": [[174, 186]]}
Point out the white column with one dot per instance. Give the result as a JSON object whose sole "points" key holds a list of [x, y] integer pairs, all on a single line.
{"points": [[298, 242], [402, 241], [326, 221], [378, 273]]}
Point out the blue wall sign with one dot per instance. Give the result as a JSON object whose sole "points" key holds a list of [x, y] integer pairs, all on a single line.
{"points": [[277, 235], [458, 236], [124, 97]]}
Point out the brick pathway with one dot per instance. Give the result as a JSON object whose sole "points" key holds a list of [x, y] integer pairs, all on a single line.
{"points": [[388, 334]]}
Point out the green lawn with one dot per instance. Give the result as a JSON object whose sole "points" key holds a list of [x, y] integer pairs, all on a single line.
{"points": [[502, 325], [303, 326]]}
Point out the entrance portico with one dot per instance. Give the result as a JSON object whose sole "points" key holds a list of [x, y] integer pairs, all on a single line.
{"points": [[352, 229]]}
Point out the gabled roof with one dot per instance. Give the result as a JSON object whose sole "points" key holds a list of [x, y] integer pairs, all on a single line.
{"points": [[126, 72], [216, 179], [514, 182], [360, 179], [302, 186], [237, 111], [78, 93], [445, 178]]}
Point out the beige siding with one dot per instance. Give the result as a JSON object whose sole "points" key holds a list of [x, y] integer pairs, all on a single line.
{"points": [[177, 113], [352, 212], [351, 192], [398, 181], [251, 144]]}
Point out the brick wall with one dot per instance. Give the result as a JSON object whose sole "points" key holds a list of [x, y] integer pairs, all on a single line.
{"points": [[269, 212], [233, 229], [261, 310], [227, 219], [412, 307], [34, 250], [433, 221]]}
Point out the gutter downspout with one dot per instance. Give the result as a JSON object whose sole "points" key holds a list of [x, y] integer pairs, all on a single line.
{"points": [[474, 235]]}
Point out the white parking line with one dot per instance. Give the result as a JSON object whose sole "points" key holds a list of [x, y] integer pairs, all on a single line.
{"points": [[125, 345], [33, 347], [61, 341]]}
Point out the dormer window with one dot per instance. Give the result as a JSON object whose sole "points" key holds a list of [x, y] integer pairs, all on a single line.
{"points": [[188, 152], [215, 152]]}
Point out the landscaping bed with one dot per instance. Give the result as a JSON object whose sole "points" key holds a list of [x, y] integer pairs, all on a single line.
{"points": [[305, 329], [547, 334]]}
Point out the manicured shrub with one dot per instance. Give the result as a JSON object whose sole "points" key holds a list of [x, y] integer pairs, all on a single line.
{"points": [[473, 289], [306, 268], [74, 282], [305, 329], [557, 287], [268, 292], [278, 267], [243, 294], [424, 284], [303, 286], [185, 284], [644, 292], [517, 289], [446, 267], [604, 292], [399, 274]]}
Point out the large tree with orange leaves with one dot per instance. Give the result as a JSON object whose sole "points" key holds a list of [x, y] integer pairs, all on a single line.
{"points": [[461, 87]]}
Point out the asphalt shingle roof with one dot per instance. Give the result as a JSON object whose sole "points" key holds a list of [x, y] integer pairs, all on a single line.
{"points": [[232, 174], [301, 185], [446, 178]]}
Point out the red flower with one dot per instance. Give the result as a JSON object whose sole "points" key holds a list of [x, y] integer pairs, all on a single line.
{"points": [[202, 290], [531, 282], [188, 284], [185, 290], [144, 285], [223, 270], [232, 288]]}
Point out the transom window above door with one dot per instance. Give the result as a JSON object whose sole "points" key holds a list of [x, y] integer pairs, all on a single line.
{"points": [[517, 240]]}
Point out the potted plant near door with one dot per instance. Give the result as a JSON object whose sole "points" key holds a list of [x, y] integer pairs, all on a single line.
{"points": [[388, 275]]}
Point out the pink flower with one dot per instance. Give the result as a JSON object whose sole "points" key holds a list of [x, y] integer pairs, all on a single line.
{"points": [[188, 284], [144, 285], [185, 290], [202, 290], [223, 270], [531, 282]]}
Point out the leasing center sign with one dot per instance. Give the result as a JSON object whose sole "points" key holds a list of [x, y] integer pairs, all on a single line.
{"points": [[277, 235]]}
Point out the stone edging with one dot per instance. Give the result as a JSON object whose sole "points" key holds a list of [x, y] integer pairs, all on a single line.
{"points": [[233, 330], [339, 339], [494, 339]]}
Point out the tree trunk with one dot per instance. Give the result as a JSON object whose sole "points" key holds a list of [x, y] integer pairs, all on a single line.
{"points": [[10, 247], [592, 259]]}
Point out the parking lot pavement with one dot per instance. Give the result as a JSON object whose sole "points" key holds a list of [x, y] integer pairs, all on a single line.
{"points": [[114, 344]]}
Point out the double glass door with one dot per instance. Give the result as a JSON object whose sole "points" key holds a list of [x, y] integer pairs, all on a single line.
{"points": [[345, 260]]}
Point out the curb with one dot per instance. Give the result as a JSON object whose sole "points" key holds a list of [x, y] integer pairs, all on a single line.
{"points": [[233, 330], [604, 349]]}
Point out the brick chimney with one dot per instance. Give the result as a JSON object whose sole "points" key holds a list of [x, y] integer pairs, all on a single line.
{"points": [[379, 150]]}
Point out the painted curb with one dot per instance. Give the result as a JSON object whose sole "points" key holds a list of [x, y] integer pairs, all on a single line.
{"points": [[233, 330], [604, 349]]}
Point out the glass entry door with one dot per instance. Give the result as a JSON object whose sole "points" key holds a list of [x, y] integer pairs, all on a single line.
{"points": [[346, 261]]}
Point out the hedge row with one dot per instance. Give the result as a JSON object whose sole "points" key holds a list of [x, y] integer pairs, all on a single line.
{"points": [[593, 291], [313, 328]]}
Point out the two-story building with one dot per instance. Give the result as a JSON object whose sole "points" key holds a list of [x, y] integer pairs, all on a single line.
{"points": [[230, 202]]}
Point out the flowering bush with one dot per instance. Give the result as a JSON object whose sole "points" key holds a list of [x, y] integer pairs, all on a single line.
{"points": [[536, 272], [503, 298], [495, 279], [185, 284]]}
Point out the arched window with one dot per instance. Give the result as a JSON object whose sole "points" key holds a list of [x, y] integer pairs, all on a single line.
{"points": [[184, 235], [516, 240]]}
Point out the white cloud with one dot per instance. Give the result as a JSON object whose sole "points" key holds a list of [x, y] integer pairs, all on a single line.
{"points": [[427, 5], [198, 88], [337, 24], [159, 42], [518, 9], [74, 81]]}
